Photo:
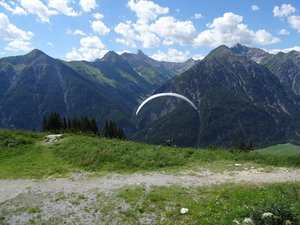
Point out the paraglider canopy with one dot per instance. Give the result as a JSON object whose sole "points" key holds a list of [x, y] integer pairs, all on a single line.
{"points": [[166, 94]]}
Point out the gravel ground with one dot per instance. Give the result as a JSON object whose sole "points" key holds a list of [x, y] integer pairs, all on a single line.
{"points": [[80, 198]]}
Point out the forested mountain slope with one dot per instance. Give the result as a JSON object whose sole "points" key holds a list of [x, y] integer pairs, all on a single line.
{"points": [[236, 97], [33, 85]]}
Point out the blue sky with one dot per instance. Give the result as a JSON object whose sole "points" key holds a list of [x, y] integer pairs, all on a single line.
{"points": [[163, 29]]}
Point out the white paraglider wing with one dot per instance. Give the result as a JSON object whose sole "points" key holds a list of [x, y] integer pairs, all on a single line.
{"points": [[165, 94]]}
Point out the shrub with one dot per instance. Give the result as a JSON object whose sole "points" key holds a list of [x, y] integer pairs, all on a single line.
{"points": [[276, 213]]}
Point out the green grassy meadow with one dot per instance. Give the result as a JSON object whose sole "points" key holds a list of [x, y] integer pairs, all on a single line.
{"points": [[284, 149], [30, 155]]}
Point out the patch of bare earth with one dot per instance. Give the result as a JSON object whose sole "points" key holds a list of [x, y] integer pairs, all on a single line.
{"points": [[78, 199]]}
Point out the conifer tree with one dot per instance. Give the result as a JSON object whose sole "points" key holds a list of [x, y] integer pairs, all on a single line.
{"points": [[111, 130], [94, 127], [54, 123], [45, 124], [240, 144], [249, 147], [85, 124], [64, 124], [69, 124], [75, 125]]}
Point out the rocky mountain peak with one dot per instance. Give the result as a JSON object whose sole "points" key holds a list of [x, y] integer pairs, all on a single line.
{"points": [[110, 56], [256, 54], [35, 53], [239, 49], [34, 57], [141, 54], [221, 51]]}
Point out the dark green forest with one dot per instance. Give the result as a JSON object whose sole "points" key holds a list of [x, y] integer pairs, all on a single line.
{"points": [[55, 124]]}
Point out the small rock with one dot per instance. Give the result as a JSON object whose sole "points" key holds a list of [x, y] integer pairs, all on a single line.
{"points": [[248, 221], [235, 221], [238, 164], [184, 210]]}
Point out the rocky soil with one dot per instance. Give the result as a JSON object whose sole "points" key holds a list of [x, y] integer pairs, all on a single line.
{"points": [[79, 198]]}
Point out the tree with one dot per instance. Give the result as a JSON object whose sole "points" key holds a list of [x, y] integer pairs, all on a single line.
{"points": [[240, 144], [45, 124], [69, 124], [120, 134], [111, 130], [53, 123], [75, 125], [64, 124], [86, 124], [94, 126], [249, 147]]}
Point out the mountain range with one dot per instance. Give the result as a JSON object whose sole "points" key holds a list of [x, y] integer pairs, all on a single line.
{"points": [[34, 85], [240, 92]]}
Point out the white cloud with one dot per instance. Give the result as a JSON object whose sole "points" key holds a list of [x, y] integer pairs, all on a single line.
{"points": [[80, 32], [294, 21], [62, 6], [229, 30], [124, 51], [98, 26], [127, 32], [283, 32], [9, 31], [286, 50], [74, 55], [98, 16], [198, 16], [49, 43], [93, 42], [146, 10], [17, 10], [198, 57], [90, 50], [173, 31], [173, 55], [254, 7], [153, 29], [150, 34], [284, 10], [17, 45], [148, 39], [38, 8], [88, 5]]}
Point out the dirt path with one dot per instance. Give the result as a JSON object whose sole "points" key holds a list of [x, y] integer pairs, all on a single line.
{"points": [[81, 182], [45, 195]]}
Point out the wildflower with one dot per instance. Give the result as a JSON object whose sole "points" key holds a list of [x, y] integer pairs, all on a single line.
{"points": [[265, 215]]}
